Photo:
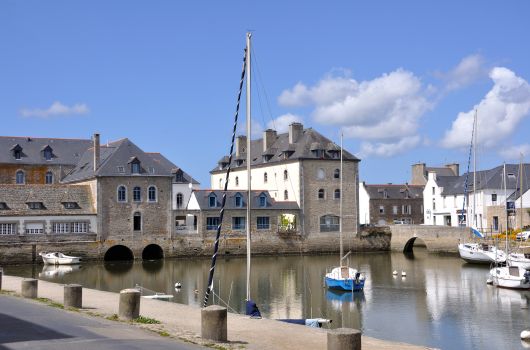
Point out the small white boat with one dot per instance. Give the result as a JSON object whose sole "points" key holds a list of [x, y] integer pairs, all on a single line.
{"points": [[56, 258], [510, 277], [481, 253], [519, 259]]}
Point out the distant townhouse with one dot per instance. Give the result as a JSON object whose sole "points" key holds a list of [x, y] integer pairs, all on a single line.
{"points": [[303, 167], [390, 204], [420, 172]]}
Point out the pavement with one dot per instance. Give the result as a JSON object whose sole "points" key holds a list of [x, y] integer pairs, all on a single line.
{"points": [[183, 322]]}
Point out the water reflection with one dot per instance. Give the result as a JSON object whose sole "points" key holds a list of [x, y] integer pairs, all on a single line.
{"points": [[51, 271], [442, 302]]}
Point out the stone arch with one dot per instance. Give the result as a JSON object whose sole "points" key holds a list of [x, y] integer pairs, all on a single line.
{"points": [[152, 252], [410, 244], [118, 252]]}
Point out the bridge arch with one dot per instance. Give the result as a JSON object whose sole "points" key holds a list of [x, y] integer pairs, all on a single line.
{"points": [[414, 241], [118, 252], [152, 252]]}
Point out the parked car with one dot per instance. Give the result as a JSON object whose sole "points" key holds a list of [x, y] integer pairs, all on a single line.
{"points": [[523, 236]]}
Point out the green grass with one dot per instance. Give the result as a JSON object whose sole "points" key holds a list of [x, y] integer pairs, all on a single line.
{"points": [[163, 333], [146, 320], [114, 317]]}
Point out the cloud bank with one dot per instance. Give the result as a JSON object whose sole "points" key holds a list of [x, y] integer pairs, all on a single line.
{"points": [[55, 110]]}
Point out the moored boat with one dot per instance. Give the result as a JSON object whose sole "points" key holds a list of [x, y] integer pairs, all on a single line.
{"points": [[514, 277], [345, 278], [57, 258], [481, 253]]}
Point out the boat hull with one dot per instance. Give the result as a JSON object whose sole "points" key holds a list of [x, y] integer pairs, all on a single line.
{"points": [[59, 259], [510, 277], [472, 253], [519, 260], [345, 284]]}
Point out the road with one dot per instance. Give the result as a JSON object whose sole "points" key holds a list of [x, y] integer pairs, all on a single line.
{"points": [[28, 324]]}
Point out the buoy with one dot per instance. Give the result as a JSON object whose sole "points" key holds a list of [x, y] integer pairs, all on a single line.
{"points": [[177, 285], [525, 335], [403, 274], [489, 281], [395, 272]]}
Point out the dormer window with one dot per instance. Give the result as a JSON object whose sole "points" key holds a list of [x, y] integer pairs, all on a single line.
{"points": [[212, 200], [135, 165], [179, 176], [262, 200], [239, 201], [3, 206], [70, 205], [267, 157], [239, 162], [287, 154], [36, 205], [47, 153], [17, 151]]}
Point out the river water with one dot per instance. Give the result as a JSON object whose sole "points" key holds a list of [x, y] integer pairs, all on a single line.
{"points": [[443, 302]]}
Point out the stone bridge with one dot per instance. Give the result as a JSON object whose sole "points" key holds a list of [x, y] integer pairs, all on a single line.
{"points": [[436, 238]]}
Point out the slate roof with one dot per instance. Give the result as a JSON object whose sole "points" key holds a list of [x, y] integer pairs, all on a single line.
{"points": [[440, 171], [202, 197], [171, 167], [309, 139], [64, 151], [52, 196], [394, 191]]}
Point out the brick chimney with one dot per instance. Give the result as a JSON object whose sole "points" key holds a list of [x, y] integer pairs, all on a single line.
{"points": [[95, 139], [455, 167], [269, 136], [241, 145], [295, 131]]}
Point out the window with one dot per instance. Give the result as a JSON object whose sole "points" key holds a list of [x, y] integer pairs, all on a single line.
{"points": [[433, 204], [34, 228], [121, 169], [137, 221], [406, 209], [494, 198], [262, 200], [381, 209], [179, 176], [212, 201], [180, 200], [137, 194], [336, 174], [20, 177], [8, 229], [395, 209], [265, 178], [238, 223], [220, 184], [47, 153], [329, 223], [238, 201], [433, 191], [122, 194], [285, 195], [237, 180], [35, 205], [212, 223], [336, 194], [263, 222], [285, 175], [49, 178], [321, 193], [151, 194], [135, 166], [495, 223], [70, 205], [79, 227], [17, 154], [151, 170], [385, 194], [321, 174], [61, 227]]}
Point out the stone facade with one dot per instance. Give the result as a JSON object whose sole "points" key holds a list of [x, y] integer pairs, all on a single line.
{"points": [[391, 210], [33, 174]]}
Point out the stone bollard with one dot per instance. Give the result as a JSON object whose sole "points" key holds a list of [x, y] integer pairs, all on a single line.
{"points": [[213, 323], [129, 307], [29, 288], [344, 339], [73, 295]]}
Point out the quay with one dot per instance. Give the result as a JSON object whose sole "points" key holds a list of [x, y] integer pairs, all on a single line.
{"points": [[183, 322]]}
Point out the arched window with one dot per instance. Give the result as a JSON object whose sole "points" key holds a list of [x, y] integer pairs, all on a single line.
{"points": [[49, 178], [265, 178], [237, 180], [151, 193], [321, 193], [321, 174], [337, 194], [285, 175], [220, 184], [122, 194], [180, 200], [137, 194], [336, 174], [20, 177], [262, 200], [137, 221], [329, 223], [285, 195], [239, 201]]}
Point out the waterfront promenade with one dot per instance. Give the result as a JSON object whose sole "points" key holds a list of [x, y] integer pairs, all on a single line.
{"points": [[183, 322]]}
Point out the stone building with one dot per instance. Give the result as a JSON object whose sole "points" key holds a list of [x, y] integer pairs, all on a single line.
{"points": [[420, 172], [300, 166], [391, 204]]}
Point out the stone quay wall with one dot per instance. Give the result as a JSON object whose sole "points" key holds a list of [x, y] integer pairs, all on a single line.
{"points": [[438, 239]]}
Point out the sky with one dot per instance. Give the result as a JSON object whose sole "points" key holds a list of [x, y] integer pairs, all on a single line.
{"points": [[401, 80]]}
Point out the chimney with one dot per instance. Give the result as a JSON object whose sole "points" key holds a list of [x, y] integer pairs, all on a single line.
{"points": [[95, 139], [295, 131], [269, 137], [419, 175], [241, 145], [455, 167]]}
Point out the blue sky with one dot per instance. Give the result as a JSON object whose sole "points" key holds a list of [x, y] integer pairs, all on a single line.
{"points": [[400, 78]]}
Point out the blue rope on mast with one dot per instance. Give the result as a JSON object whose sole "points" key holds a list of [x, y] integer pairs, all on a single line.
{"points": [[221, 212]]}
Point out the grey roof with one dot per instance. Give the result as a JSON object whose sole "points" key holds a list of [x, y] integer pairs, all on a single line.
{"points": [[440, 171], [309, 139], [394, 191], [52, 196], [171, 167], [64, 151], [203, 200]]}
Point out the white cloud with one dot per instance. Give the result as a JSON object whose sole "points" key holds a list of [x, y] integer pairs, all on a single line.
{"points": [[381, 149], [281, 124], [499, 112], [470, 69], [327, 91], [514, 152], [55, 110]]}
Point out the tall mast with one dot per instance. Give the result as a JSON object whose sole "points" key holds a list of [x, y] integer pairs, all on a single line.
{"points": [[340, 205], [520, 192], [475, 172], [249, 201], [506, 205]]}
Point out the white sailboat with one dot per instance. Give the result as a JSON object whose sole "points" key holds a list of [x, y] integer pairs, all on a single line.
{"points": [[514, 277], [57, 258]]}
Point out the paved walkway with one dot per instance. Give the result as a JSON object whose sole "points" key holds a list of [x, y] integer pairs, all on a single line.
{"points": [[184, 322]]}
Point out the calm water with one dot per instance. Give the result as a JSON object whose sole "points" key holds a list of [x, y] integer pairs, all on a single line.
{"points": [[443, 302]]}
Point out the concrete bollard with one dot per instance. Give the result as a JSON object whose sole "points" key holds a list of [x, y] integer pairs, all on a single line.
{"points": [[29, 288], [213, 323], [129, 307], [344, 339], [73, 295]]}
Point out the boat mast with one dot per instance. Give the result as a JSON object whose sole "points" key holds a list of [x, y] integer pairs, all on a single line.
{"points": [[506, 205], [340, 204], [520, 192], [475, 172], [249, 201]]}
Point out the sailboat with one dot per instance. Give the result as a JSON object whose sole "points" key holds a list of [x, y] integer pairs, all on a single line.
{"points": [[344, 277], [521, 257], [252, 309]]}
